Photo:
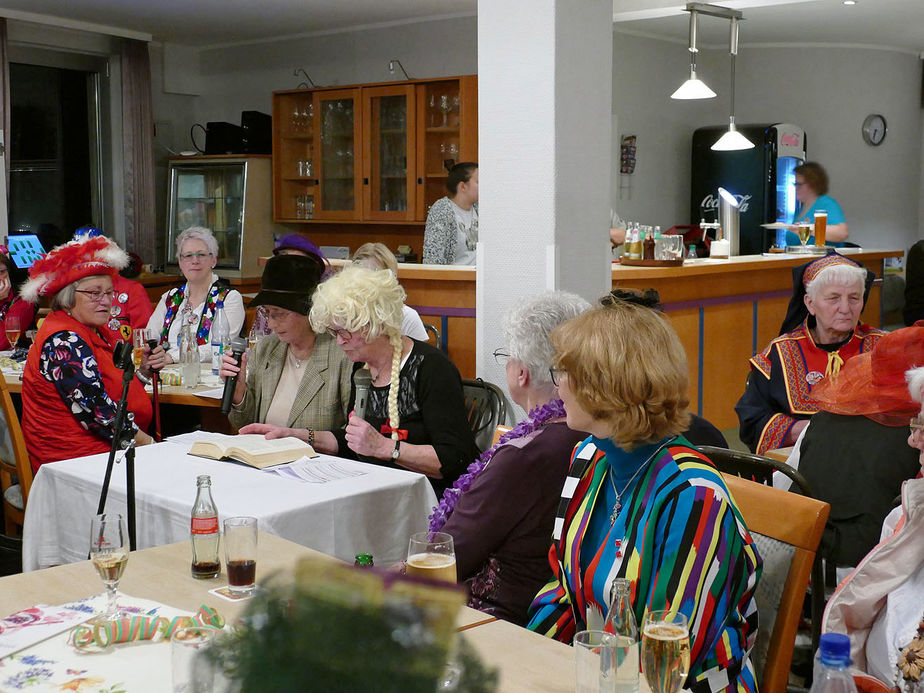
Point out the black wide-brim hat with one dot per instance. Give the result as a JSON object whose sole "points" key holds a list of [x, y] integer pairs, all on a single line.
{"points": [[289, 282]]}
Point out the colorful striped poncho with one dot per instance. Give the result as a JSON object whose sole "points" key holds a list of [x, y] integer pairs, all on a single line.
{"points": [[678, 538]]}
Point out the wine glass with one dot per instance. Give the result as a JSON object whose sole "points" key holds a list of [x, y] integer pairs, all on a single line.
{"points": [[804, 229], [109, 554], [13, 328], [445, 107], [665, 650]]}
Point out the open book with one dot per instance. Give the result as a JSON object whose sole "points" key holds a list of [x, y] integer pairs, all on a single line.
{"points": [[252, 449]]}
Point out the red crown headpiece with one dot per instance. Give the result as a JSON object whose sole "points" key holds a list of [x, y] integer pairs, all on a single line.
{"points": [[70, 262]]}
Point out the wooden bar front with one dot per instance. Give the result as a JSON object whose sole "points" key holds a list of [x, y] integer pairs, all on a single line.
{"points": [[726, 310]]}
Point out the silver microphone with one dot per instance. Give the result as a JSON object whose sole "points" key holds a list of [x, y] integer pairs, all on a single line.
{"points": [[362, 384]]}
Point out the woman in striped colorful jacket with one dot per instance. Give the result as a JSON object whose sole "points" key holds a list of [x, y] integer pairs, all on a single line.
{"points": [[641, 503]]}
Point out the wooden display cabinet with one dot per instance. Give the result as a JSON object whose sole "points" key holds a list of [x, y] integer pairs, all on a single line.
{"points": [[370, 153]]}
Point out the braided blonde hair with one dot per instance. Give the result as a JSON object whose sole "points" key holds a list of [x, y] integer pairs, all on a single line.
{"points": [[358, 298]]}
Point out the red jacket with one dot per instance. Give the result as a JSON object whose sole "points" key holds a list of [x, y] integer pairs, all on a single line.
{"points": [[51, 431]]}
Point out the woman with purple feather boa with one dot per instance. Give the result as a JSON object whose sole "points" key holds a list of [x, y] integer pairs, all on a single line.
{"points": [[500, 512]]}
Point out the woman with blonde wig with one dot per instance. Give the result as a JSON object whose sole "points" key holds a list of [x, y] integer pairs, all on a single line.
{"points": [[415, 416], [641, 503]]}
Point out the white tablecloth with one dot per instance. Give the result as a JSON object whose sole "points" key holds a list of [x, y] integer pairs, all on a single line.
{"points": [[374, 513]]}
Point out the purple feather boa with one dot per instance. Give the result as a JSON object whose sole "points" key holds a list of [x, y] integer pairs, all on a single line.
{"points": [[536, 419]]}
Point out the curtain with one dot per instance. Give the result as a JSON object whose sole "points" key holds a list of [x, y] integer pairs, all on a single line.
{"points": [[138, 150], [5, 125]]}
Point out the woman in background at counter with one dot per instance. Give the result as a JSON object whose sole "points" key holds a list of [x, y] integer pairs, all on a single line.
{"points": [[377, 256], [195, 301], [820, 332], [812, 195], [451, 232]]}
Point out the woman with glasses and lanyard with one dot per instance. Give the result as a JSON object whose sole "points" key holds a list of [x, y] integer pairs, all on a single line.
{"points": [[195, 301], [70, 384]]}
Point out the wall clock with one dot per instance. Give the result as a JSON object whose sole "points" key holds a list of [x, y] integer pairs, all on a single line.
{"points": [[874, 129]]}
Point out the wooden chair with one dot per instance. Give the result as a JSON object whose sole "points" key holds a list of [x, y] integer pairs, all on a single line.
{"points": [[761, 469], [485, 408], [787, 529], [498, 432], [14, 461]]}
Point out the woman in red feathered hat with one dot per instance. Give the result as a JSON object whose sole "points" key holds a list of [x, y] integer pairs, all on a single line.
{"points": [[71, 384]]}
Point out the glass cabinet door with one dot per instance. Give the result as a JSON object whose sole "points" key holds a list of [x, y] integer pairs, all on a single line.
{"points": [[209, 194], [339, 144], [294, 180], [389, 169]]}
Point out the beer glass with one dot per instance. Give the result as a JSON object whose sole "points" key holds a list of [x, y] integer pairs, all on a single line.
{"points": [[431, 555], [821, 226]]}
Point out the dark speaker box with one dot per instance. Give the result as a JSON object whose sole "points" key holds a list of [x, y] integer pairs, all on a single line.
{"points": [[224, 138], [258, 132]]}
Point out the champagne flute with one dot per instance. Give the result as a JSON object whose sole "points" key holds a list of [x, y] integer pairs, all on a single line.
{"points": [[431, 555], [445, 107], [13, 329], [109, 554], [665, 650]]}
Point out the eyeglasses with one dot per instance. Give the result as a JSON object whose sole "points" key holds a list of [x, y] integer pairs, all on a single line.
{"points": [[556, 374], [501, 356], [799, 185], [916, 424], [345, 335], [96, 296], [198, 257]]}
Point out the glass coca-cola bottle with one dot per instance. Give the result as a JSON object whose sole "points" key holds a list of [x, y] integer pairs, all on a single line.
{"points": [[203, 532]]}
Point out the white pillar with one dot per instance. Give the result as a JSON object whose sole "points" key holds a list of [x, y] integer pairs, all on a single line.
{"points": [[544, 134]]}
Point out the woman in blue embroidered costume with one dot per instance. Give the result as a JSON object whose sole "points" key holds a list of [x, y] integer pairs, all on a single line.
{"points": [[195, 301], [641, 503], [821, 331], [500, 512]]}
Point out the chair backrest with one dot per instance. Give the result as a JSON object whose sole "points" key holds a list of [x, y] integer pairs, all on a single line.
{"points": [[485, 408], [787, 529], [498, 432], [434, 334], [755, 467], [17, 443]]}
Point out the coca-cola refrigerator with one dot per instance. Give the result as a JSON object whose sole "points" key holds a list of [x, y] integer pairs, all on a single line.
{"points": [[761, 178]]}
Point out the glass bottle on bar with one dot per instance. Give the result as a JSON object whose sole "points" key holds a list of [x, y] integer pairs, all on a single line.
{"points": [[620, 620], [203, 532]]}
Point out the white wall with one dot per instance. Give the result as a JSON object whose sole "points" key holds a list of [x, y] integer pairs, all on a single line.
{"points": [[826, 90]]}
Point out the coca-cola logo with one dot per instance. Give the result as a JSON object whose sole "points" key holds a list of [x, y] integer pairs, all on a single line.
{"points": [[712, 202], [790, 139]]}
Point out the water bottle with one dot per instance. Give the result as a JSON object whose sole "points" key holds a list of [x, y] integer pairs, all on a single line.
{"points": [[832, 665], [220, 336], [620, 620], [203, 531], [189, 355], [691, 253]]}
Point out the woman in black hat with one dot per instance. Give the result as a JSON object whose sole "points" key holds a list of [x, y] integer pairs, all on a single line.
{"points": [[294, 378]]}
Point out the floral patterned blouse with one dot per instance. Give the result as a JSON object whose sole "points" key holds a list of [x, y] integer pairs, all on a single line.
{"points": [[68, 362]]}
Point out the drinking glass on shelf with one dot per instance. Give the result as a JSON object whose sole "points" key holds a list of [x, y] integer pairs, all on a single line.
{"points": [[431, 555], [445, 107], [665, 650], [296, 119], [109, 554], [13, 329], [454, 151]]}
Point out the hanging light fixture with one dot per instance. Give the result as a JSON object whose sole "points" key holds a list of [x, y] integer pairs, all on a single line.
{"points": [[693, 88], [732, 140]]}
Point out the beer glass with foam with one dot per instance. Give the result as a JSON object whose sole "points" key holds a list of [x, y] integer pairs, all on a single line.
{"points": [[431, 555]]}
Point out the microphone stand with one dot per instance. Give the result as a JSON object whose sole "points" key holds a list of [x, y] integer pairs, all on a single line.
{"points": [[121, 426]]}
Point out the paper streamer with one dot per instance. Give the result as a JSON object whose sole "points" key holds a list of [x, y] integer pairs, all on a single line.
{"points": [[99, 636]]}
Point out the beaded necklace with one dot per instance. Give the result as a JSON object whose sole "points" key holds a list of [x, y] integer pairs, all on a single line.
{"points": [[536, 419]]}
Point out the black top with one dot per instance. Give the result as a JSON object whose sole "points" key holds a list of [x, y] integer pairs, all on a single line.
{"points": [[858, 466], [432, 411]]}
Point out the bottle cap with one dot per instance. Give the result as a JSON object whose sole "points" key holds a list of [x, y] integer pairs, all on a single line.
{"points": [[834, 648]]}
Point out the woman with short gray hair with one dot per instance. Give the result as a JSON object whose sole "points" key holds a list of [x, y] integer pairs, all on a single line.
{"points": [[500, 513], [195, 301]]}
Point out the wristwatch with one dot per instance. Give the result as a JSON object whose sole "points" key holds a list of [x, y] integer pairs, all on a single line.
{"points": [[396, 453]]}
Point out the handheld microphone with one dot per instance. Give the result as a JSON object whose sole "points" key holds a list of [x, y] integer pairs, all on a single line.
{"points": [[122, 356], [362, 383], [152, 345], [238, 347]]}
